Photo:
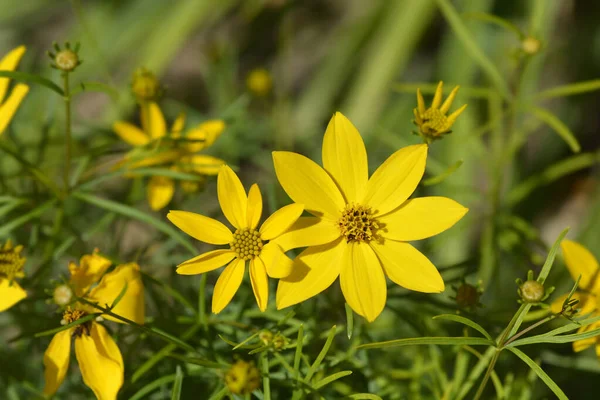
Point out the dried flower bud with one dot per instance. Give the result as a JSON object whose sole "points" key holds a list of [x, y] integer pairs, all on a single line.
{"points": [[467, 296]]}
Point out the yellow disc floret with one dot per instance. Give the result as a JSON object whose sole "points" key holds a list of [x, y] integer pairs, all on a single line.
{"points": [[246, 243], [357, 223], [11, 261], [71, 315]]}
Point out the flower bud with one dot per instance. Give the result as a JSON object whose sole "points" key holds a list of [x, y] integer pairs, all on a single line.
{"points": [[532, 291], [145, 86], [62, 295], [531, 45]]}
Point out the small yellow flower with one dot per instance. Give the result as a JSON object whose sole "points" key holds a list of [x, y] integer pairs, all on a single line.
{"points": [[11, 267], [433, 122], [580, 261], [8, 107], [259, 82], [531, 45], [98, 356], [242, 378], [246, 243], [153, 147], [360, 225]]}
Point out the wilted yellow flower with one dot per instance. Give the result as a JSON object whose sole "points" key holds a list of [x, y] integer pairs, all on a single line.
{"points": [[176, 151], [246, 243], [433, 122], [580, 261], [259, 82], [360, 226], [8, 107], [11, 267], [98, 356], [242, 378]]}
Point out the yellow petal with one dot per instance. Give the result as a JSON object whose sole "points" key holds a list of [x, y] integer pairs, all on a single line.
{"points": [[232, 197], [309, 184], [362, 281], [160, 191], [9, 63], [437, 97], [580, 261], [452, 117], [277, 263], [206, 165], [255, 206], [202, 228], [204, 135], [583, 344], [408, 267], [396, 179], [56, 361], [420, 103], [308, 231], [227, 284], [178, 125], [315, 269], [448, 102], [153, 121], [10, 294], [100, 362], [587, 303], [280, 221], [345, 157], [9, 107], [130, 133], [205, 262], [148, 159], [260, 283], [421, 218], [131, 305], [90, 270]]}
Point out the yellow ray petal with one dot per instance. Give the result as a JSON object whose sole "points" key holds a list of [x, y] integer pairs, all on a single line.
{"points": [[580, 261], [56, 361], [583, 344], [277, 263], [89, 271], [309, 231], [131, 305], [227, 284], [421, 218], [206, 165], [255, 206], [206, 262], [153, 120], [204, 135], [309, 184], [130, 133], [160, 191], [232, 197], [452, 117], [152, 158], [9, 107], [448, 102], [10, 294], [396, 179], [315, 269], [408, 267], [260, 283], [437, 97], [280, 221], [587, 303], [178, 125], [420, 104], [362, 281], [100, 362], [9, 63], [345, 157], [201, 228]]}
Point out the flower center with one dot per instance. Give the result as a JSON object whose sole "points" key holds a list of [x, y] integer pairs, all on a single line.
{"points": [[357, 223], [434, 121], [11, 262], [246, 243], [71, 315]]}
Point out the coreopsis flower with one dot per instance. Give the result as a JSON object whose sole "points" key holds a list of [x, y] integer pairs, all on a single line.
{"points": [[259, 82], [11, 267], [9, 105], [242, 378], [433, 122], [580, 261], [246, 243], [97, 354], [176, 151], [360, 225]]}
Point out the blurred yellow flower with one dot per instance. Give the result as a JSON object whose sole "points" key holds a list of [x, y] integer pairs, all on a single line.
{"points": [[259, 82], [360, 226], [11, 267], [145, 86], [242, 378], [153, 147], [580, 261], [8, 107], [433, 122], [98, 356], [246, 243]]}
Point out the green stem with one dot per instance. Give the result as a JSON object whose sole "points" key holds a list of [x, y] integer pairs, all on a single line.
{"points": [[202, 303], [68, 140], [487, 375], [266, 379], [529, 328]]}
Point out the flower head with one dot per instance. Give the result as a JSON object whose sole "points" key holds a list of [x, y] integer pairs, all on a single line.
{"points": [[145, 86], [533, 292], [433, 122], [242, 378], [11, 267], [259, 82], [360, 225], [247, 243], [8, 106]]}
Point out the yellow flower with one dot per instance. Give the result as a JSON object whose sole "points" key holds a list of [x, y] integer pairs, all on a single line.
{"points": [[433, 122], [145, 86], [580, 261], [11, 267], [246, 243], [242, 378], [259, 82], [98, 356], [360, 226], [153, 147], [9, 107]]}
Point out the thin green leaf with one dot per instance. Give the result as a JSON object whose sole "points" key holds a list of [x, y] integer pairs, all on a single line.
{"points": [[246, 340], [298, 353], [331, 378], [451, 341], [119, 297], [220, 394], [570, 89], [541, 373], [23, 219], [200, 361], [236, 345], [363, 396], [551, 256], [465, 321], [96, 87], [434, 180], [313, 368], [152, 386], [558, 126], [73, 324], [31, 78], [501, 22], [176, 393], [349, 321], [165, 172], [555, 339]]}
